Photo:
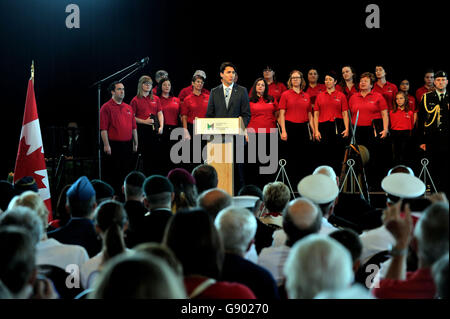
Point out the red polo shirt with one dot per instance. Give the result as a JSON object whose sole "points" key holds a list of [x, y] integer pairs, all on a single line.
{"points": [[388, 91], [420, 92], [330, 106], [144, 106], [194, 106], [263, 115], [171, 109], [313, 92], [348, 92], [117, 120], [297, 106], [418, 285], [369, 107], [401, 120], [188, 90], [412, 104]]}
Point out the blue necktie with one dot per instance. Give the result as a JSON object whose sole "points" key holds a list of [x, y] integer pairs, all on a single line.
{"points": [[227, 96]]}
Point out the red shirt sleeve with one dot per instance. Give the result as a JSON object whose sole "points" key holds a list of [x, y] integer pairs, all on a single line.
{"points": [[133, 105], [104, 118], [184, 107], [344, 103], [282, 103]]}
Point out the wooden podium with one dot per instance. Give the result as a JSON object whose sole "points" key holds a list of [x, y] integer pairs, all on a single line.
{"points": [[220, 150]]}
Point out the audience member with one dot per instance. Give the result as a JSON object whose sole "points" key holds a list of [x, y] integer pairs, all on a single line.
{"points": [[103, 191], [237, 227], [110, 222], [440, 276], [205, 177], [163, 252], [138, 276], [301, 217], [18, 271], [431, 236], [49, 251], [191, 235], [7, 192], [159, 195], [134, 204], [184, 189], [350, 240], [315, 264], [213, 201], [80, 229]]}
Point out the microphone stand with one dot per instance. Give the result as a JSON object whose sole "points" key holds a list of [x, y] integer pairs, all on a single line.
{"points": [[134, 67]]}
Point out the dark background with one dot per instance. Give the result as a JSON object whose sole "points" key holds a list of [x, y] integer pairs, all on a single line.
{"points": [[182, 36]]}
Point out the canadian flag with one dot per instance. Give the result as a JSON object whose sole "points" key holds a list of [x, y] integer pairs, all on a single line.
{"points": [[30, 159]]}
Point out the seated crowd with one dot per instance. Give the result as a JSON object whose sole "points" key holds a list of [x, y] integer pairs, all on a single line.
{"points": [[180, 236]]}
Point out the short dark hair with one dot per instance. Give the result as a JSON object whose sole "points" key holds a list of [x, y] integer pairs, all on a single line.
{"points": [[134, 182], [368, 75], [224, 65], [251, 190], [205, 177], [254, 96], [350, 240], [18, 257], [80, 208], [112, 86]]}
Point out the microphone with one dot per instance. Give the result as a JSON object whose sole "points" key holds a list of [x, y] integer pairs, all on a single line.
{"points": [[144, 61]]}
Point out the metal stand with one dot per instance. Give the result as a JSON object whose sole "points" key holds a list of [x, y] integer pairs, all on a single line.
{"points": [[284, 176], [135, 67], [353, 178], [426, 173]]}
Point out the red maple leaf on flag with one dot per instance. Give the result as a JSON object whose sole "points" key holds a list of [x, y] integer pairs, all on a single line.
{"points": [[35, 160]]}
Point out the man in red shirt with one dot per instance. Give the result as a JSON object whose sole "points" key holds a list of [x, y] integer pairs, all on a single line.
{"points": [[428, 86], [431, 235], [119, 136]]}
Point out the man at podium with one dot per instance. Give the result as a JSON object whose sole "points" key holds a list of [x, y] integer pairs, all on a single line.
{"points": [[230, 100]]}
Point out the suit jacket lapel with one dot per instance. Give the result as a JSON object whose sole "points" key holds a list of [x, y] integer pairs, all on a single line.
{"points": [[233, 96]]}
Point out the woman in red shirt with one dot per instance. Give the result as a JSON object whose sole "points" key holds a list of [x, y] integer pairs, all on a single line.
{"points": [[348, 84], [314, 88], [275, 88], [150, 124], [170, 106], [385, 88], [261, 128], [297, 126], [194, 105], [331, 124], [402, 122], [373, 109]]}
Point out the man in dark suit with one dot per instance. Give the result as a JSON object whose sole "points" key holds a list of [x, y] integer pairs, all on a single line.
{"points": [[229, 99], [159, 194], [433, 129]]}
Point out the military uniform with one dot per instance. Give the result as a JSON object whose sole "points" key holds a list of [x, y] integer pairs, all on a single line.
{"points": [[433, 128]]}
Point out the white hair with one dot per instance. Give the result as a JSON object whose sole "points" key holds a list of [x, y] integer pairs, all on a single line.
{"points": [[317, 263], [237, 227], [326, 170], [431, 232], [356, 291]]}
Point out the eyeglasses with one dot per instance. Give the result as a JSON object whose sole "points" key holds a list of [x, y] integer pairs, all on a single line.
{"points": [[295, 78], [147, 83]]}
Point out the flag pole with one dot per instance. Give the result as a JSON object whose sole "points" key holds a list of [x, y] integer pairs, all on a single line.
{"points": [[32, 71]]}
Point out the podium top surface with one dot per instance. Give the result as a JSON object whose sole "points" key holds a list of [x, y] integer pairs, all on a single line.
{"points": [[232, 126]]}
